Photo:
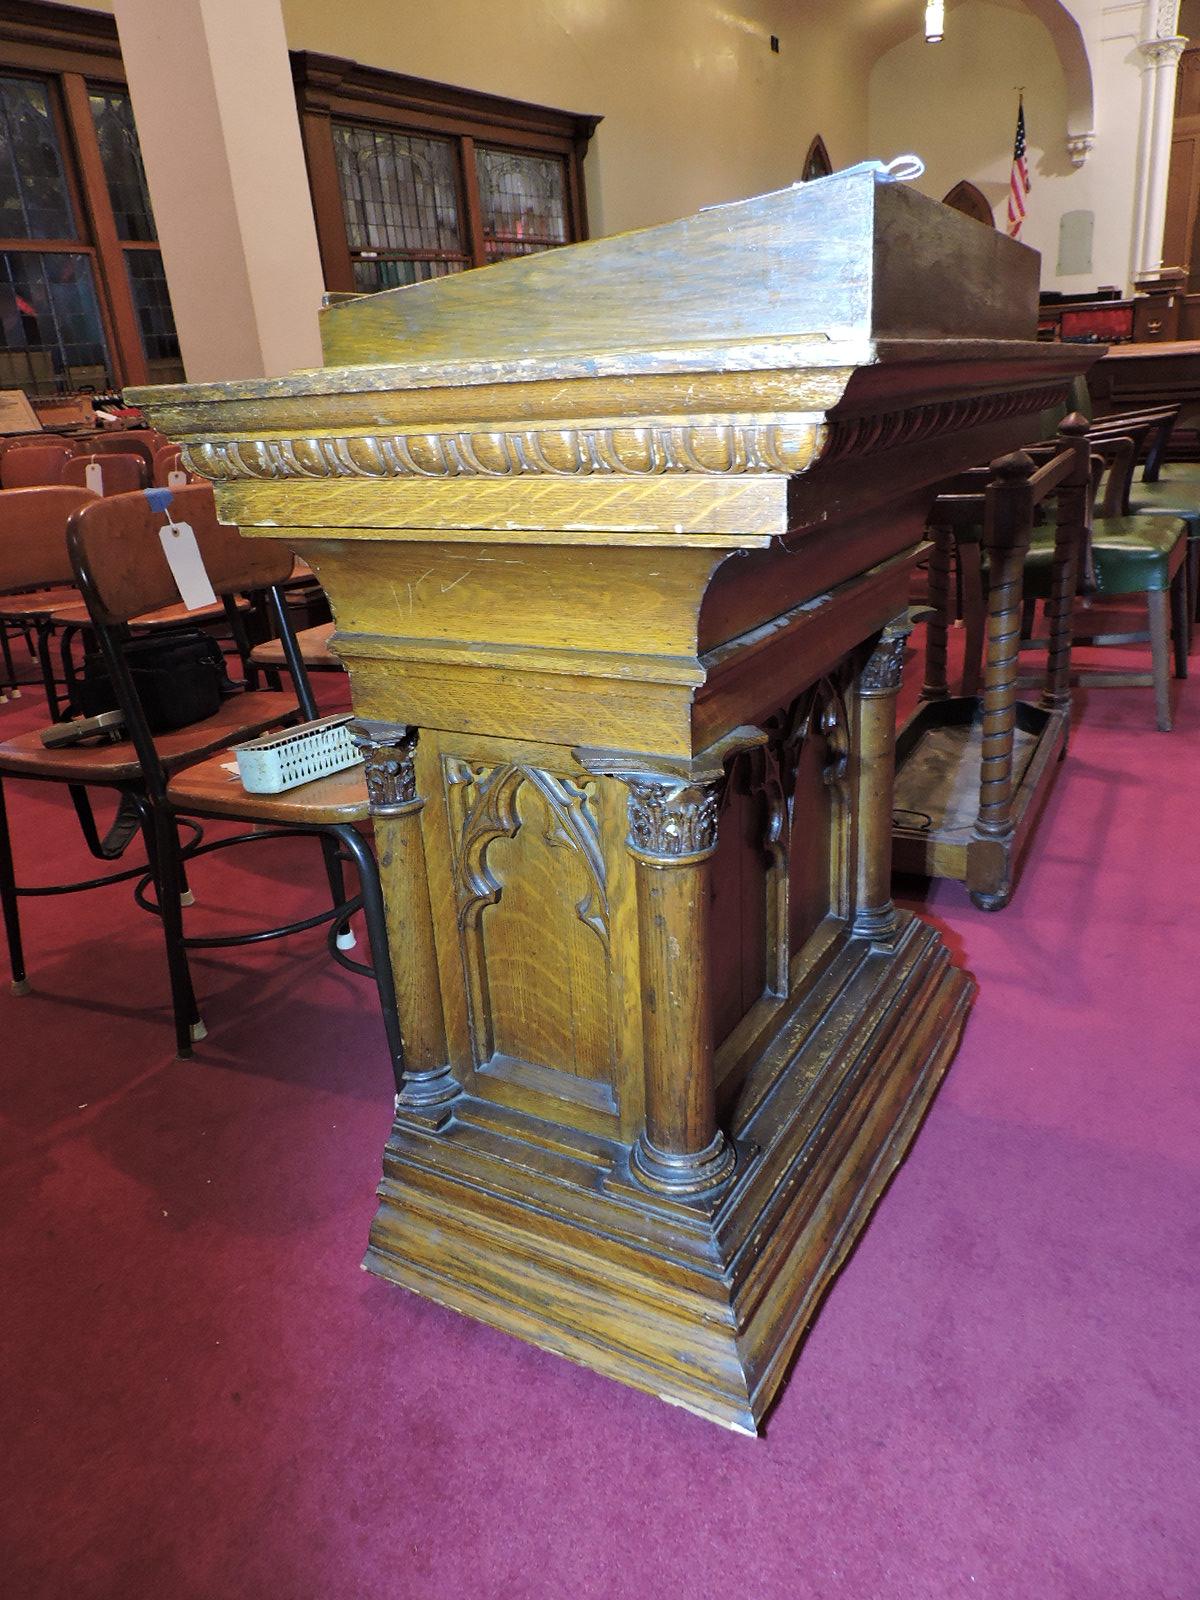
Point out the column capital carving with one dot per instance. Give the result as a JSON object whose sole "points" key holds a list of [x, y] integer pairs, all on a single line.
{"points": [[881, 674], [673, 804], [673, 820], [1159, 51], [387, 749], [1080, 147]]}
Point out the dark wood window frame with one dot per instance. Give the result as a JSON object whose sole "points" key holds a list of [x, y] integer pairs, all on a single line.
{"points": [[971, 201], [330, 89], [73, 51], [816, 163]]}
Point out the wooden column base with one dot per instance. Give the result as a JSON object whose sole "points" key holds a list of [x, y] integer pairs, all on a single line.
{"points": [[665, 1292], [674, 1174]]}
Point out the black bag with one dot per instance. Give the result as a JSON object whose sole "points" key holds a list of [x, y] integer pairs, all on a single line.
{"points": [[180, 679]]}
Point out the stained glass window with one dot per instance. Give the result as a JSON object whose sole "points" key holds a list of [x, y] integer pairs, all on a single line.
{"points": [[121, 154], [35, 202], [83, 298], [401, 205], [52, 334], [156, 324], [523, 198]]}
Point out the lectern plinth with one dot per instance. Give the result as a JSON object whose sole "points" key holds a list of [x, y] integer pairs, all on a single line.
{"points": [[618, 541]]}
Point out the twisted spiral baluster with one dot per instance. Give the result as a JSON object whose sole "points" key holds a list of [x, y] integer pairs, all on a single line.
{"points": [[1008, 517]]}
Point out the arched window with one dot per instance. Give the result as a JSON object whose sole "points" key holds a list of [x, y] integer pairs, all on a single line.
{"points": [[816, 163], [972, 202]]}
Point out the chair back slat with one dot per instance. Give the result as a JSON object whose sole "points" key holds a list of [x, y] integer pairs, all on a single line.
{"points": [[118, 559], [167, 460], [34, 465], [17, 441], [119, 474], [33, 536], [142, 442]]}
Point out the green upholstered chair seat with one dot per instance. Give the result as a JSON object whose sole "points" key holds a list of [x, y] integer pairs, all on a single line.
{"points": [[1130, 555], [1176, 497], [1180, 472]]}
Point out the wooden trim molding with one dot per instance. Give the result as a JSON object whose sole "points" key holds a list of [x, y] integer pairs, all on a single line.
{"points": [[330, 88], [347, 88], [45, 38], [742, 445]]}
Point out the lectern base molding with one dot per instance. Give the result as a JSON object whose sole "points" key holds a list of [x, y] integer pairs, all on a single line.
{"points": [[700, 1301]]}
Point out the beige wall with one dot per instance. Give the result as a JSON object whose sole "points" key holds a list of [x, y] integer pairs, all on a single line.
{"points": [[698, 109], [696, 106], [955, 104]]}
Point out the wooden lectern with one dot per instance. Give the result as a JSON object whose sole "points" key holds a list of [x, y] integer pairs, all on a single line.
{"points": [[618, 540]]}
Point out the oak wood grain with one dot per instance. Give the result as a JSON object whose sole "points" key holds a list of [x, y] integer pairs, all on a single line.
{"points": [[618, 541]]}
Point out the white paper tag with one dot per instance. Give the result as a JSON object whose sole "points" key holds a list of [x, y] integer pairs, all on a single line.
{"points": [[93, 477], [177, 478], [187, 565]]}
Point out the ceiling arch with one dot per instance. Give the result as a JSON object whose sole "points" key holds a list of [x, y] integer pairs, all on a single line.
{"points": [[886, 23]]}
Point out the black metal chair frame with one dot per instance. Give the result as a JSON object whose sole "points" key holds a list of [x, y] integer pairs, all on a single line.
{"points": [[340, 842]]}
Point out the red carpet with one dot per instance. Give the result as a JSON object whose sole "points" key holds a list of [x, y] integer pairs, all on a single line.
{"points": [[205, 1399]]}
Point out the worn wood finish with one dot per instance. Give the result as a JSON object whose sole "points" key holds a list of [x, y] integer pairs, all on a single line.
{"points": [[211, 789], [622, 601], [1134, 376], [966, 796]]}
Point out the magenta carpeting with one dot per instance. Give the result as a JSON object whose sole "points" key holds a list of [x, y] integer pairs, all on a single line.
{"points": [[204, 1398]]}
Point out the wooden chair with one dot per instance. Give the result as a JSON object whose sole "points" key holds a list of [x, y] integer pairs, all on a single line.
{"points": [[36, 561], [33, 540], [313, 644], [119, 474], [1129, 554], [143, 442], [1173, 491], [16, 441], [122, 572], [34, 465], [973, 771], [167, 460]]}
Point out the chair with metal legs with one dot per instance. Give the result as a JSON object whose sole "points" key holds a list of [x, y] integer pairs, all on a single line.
{"points": [[122, 572], [33, 557]]}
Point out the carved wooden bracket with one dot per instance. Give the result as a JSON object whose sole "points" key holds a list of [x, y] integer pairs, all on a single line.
{"points": [[881, 675], [673, 805], [671, 820], [387, 749]]}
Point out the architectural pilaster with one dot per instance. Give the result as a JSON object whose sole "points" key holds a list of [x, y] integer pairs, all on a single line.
{"points": [[1160, 51], [388, 751]]}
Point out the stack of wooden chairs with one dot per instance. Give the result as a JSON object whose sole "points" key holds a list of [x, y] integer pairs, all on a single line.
{"points": [[973, 769]]}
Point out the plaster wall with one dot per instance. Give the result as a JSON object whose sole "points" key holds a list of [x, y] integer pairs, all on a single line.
{"points": [[697, 107], [955, 104]]}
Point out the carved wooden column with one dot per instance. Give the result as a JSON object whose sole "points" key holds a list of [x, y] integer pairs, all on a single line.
{"points": [[427, 1084], [936, 686], [1010, 516], [875, 746], [1070, 543], [672, 837]]}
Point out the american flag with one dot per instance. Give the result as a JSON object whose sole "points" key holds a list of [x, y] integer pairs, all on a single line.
{"points": [[1018, 178]]}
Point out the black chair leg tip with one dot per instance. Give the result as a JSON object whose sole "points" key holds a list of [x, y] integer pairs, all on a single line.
{"points": [[22, 986], [198, 1031]]}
